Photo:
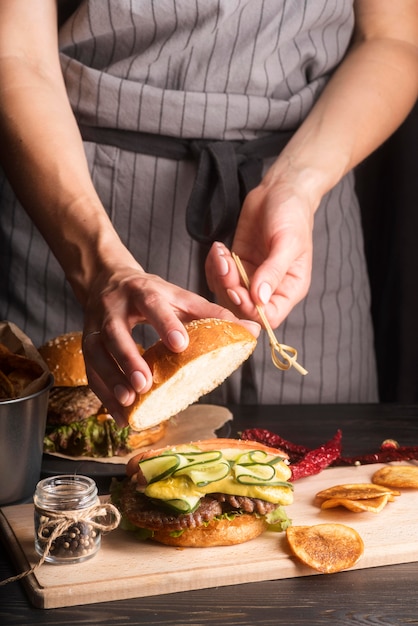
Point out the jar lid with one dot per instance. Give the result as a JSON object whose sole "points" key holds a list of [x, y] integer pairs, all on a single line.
{"points": [[66, 492]]}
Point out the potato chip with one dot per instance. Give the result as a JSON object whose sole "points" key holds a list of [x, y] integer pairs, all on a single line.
{"points": [[327, 548], [370, 505], [399, 476], [359, 491], [4, 350], [16, 373], [6, 387]]}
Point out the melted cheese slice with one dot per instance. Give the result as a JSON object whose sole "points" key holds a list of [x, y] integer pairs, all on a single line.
{"points": [[179, 487]]}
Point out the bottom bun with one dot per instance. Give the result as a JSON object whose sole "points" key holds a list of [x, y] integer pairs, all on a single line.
{"points": [[222, 532]]}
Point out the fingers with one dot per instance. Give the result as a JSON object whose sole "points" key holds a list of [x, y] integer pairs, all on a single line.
{"points": [[115, 370], [253, 327], [224, 280], [160, 312], [277, 283]]}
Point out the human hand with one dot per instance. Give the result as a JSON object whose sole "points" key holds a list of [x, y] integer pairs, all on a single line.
{"points": [[116, 303], [274, 242]]}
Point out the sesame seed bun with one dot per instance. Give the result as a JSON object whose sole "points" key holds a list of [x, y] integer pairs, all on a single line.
{"points": [[216, 349], [64, 357]]}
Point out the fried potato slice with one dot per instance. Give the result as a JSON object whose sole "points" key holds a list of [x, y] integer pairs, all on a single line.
{"points": [[6, 387], [370, 505], [16, 373], [399, 476], [327, 548], [356, 491]]}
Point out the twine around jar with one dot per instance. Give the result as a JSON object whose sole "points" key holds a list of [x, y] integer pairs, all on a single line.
{"points": [[61, 521]]}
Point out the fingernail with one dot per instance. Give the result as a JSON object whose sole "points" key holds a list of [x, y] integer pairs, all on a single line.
{"points": [[233, 296], [176, 339], [223, 266], [121, 393], [138, 381], [264, 293], [253, 327]]}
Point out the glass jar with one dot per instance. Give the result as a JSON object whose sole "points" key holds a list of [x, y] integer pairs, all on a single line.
{"points": [[65, 507]]}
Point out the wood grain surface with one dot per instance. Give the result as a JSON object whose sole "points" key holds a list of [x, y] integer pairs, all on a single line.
{"points": [[379, 596], [125, 568]]}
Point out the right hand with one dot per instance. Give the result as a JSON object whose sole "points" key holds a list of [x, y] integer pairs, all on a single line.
{"points": [[274, 242]]}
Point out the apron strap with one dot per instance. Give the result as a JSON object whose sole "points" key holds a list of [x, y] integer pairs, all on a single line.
{"points": [[226, 172]]}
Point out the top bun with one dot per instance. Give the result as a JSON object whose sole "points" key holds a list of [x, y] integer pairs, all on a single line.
{"points": [[216, 349], [64, 357]]}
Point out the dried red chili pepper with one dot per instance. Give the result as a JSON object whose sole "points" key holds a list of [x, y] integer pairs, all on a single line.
{"points": [[306, 462], [261, 435], [384, 455], [318, 459]]}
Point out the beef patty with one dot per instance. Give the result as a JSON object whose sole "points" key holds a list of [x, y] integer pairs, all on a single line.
{"points": [[71, 404], [147, 513]]}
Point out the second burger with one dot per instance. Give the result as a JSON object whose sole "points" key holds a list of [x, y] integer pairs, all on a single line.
{"points": [[77, 423]]}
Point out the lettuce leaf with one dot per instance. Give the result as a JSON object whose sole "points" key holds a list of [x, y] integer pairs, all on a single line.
{"points": [[90, 437], [278, 520]]}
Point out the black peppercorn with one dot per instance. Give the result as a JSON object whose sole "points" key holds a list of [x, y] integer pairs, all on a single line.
{"points": [[64, 510]]}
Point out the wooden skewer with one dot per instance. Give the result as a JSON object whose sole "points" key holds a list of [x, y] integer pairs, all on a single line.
{"points": [[283, 357]]}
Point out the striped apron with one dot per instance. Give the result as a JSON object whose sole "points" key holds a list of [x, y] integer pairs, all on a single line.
{"points": [[203, 70]]}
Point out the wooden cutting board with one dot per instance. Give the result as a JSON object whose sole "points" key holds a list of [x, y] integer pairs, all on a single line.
{"points": [[125, 568]]}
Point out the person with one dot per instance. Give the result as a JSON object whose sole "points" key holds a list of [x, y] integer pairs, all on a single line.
{"points": [[127, 136]]}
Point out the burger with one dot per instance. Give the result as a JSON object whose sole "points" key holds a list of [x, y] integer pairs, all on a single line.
{"points": [[216, 492], [77, 422]]}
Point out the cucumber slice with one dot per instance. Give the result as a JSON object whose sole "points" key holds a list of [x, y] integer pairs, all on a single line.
{"points": [[254, 473], [202, 474], [200, 458], [253, 456], [258, 456], [159, 467], [277, 459], [186, 504]]}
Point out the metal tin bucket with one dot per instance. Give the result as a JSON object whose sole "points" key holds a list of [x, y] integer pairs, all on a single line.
{"points": [[22, 430]]}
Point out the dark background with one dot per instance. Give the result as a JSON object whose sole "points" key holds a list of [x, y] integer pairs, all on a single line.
{"points": [[387, 184]]}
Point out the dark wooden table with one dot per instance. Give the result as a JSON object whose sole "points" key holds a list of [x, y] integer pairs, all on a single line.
{"points": [[380, 596]]}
